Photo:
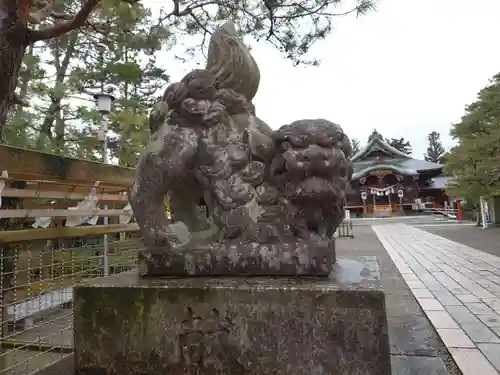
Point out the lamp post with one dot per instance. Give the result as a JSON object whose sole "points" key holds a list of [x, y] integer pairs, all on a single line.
{"points": [[104, 102], [364, 195], [400, 196]]}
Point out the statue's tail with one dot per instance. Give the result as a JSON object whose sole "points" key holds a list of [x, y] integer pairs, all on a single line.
{"points": [[231, 62]]}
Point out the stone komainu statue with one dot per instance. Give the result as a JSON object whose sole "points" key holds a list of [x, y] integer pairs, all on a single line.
{"points": [[274, 197]]}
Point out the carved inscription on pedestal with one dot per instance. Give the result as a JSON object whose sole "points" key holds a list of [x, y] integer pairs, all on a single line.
{"points": [[205, 345]]}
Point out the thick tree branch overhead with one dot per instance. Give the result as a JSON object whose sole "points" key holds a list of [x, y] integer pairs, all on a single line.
{"points": [[79, 20], [72, 23]]}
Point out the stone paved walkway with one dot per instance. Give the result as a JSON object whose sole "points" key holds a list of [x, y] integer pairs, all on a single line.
{"points": [[416, 349], [457, 286]]}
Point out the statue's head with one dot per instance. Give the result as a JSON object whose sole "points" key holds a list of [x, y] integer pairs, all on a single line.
{"points": [[231, 79], [198, 85], [312, 162]]}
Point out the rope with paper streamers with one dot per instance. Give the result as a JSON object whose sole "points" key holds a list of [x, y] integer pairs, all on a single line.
{"points": [[383, 191]]}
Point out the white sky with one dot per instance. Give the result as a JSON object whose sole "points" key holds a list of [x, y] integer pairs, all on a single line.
{"points": [[406, 70]]}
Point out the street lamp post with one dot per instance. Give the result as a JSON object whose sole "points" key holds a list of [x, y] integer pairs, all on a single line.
{"points": [[104, 102], [400, 196], [364, 195]]}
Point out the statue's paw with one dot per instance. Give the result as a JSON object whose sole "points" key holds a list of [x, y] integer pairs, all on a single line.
{"points": [[175, 235]]}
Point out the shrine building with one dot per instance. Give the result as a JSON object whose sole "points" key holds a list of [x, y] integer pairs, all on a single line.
{"points": [[387, 182]]}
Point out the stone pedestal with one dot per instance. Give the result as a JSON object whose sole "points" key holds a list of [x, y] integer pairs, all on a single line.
{"points": [[126, 325], [242, 259]]}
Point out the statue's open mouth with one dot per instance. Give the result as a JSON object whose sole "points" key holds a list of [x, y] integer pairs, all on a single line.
{"points": [[314, 188]]}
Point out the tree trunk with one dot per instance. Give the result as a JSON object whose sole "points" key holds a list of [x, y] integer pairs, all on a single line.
{"points": [[13, 43], [23, 84], [54, 111]]}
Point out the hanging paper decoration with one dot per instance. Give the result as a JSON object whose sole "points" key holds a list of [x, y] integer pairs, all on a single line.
{"points": [[89, 203], [43, 222], [127, 214], [383, 191]]}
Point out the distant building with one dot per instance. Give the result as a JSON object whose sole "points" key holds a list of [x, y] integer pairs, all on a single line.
{"points": [[388, 182]]}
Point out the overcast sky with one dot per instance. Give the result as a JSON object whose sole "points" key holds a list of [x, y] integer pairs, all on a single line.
{"points": [[407, 69]]}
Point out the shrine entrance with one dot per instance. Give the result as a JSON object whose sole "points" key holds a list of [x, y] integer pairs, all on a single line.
{"points": [[381, 200], [386, 181]]}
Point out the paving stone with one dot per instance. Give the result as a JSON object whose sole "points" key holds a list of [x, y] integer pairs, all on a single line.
{"points": [[441, 319], [404, 270], [485, 273], [415, 285], [426, 276], [446, 280], [430, 304], [479, 308], [484, 282], [493, 288], [410, 277], [478, 332], [494, 303], [495, 278], [492, 352], [472, 362], [491, 320], [462, 314], [496, 330], [482, 293], [413, 365], [447, 299], [422, 293], [458, 290], [465, 298], [455, 338]]}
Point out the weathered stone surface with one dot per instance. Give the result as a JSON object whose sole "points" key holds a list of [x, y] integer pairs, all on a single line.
{"points": [[251, 259], [414, 365], [263, 187], [151, 326]]}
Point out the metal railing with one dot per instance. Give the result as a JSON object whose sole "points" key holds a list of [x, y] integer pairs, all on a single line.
{"points": [[447, 212], [345, 229], [59, 196], [36, 284]]}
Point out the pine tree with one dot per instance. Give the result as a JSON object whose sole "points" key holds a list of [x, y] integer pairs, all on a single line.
{"points": [[280, 23], [356, 146], [475, 161], [375, 134], [126, 64], [435, 150], [400, 144], [75, 66]]}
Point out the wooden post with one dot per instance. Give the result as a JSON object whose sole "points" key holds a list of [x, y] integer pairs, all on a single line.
{"points": [[459, 210]]}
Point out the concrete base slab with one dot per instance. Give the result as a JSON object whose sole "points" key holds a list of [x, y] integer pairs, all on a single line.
{"points": [[329, 326]]}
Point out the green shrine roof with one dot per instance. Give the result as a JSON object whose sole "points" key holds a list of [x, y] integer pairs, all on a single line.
{"points": [[378, 154]]}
